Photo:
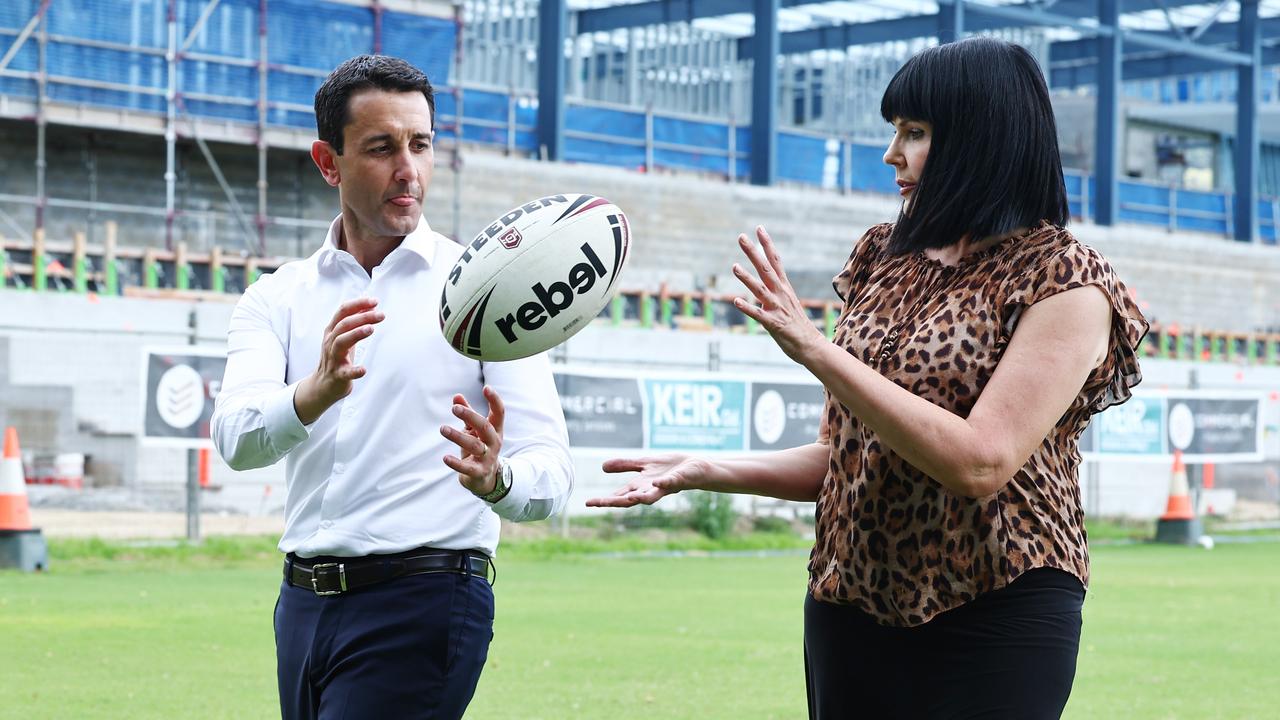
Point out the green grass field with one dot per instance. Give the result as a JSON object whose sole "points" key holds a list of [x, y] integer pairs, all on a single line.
{"points": [[1169, 633]]}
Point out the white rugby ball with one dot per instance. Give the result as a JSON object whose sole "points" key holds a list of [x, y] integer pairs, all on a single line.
{"points": [[534, 277]]}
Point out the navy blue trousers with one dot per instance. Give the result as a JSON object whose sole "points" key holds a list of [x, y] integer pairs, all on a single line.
{"points": [[412, 647]]}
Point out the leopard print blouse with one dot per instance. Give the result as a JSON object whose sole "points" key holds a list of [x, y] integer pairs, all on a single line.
{"points": [[892, 541]]}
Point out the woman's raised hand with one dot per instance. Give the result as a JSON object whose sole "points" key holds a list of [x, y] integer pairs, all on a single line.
{"points": [[779, 311]]}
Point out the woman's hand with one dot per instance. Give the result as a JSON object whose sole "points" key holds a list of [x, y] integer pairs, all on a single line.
{"points": [[779, 312], [660, 475]]}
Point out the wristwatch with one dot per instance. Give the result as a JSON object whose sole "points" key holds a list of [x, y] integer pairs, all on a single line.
{"points": [[501, 484]]}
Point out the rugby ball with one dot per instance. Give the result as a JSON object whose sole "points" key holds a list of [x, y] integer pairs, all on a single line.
{"points": [[534, 277]]}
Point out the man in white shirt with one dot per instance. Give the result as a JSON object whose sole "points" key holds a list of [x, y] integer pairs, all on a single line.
{"points": [[401, 453]]}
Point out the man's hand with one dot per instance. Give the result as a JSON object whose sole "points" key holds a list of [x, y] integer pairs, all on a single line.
{"points": [[480, 441], [331, 381]]}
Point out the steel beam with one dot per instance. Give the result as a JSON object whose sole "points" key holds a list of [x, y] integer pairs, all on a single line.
{"points": [[1106, 160], [981, 17], [950, 21], [1086, 49], [764, 93], [1145, 67], [659, 12], [1248, 96], [552, 20]]}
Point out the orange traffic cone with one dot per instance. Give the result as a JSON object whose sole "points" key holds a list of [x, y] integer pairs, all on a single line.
{"points": [[15, 512], [1178, 524], [21, 546], [1179, 505]]}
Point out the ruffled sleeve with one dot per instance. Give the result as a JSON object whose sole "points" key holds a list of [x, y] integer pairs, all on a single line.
{"points": [[860, 261], [1075, 265]]}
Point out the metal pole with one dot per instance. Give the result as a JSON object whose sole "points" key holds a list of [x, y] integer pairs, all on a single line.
{"points": [[1106, 165], [91, 169], [37, 19], [457, 120], [42, 99], [950, 21], [193, 459], [648, 138], [764, 93], [261, 219], [1248, 97], [171, 127], [552, 19]]}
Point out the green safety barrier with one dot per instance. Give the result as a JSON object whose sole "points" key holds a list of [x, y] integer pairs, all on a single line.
{"points": [[708, 310], [218, 279], [38, 278], [829, 320], [182, 277], [111, 278], [668, 306], [151, 276], [646, 311], [80, 279], [617, 310]]}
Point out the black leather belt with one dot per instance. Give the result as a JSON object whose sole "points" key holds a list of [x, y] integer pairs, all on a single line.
{"points": [[334, 576]]}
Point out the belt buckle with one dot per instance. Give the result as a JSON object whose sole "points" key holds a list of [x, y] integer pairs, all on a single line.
{"points": [[342, 578]]}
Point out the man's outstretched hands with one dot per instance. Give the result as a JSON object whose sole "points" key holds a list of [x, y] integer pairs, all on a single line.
{"points": [[480, 442], [332, 378]]}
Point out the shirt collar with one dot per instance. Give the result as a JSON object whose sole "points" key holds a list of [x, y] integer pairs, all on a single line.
{"points": [[420, 242]]}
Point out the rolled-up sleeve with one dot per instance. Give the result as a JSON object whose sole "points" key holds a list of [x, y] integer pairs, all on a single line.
{"points": [[535, 441], [254, 422]]}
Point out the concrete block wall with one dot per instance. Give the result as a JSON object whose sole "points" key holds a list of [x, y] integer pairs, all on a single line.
{"points": [[685, 227]]}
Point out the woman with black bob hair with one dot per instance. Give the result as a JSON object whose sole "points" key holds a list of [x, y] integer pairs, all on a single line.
{"points": [[976, 340]]}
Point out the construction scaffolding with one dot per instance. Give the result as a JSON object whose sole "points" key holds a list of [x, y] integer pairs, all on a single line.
{"points": [[228, 86], [202, 73]]}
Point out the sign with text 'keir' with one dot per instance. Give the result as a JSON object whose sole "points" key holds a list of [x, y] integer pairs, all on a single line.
{"points": [[181, 385], [695, 414]]}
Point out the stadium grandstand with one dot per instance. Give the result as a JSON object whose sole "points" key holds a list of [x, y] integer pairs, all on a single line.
{"points": [[158, 150]]}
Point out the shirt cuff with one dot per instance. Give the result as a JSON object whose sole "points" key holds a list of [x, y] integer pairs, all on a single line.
{"points": [[513, 505], [284, 428]]}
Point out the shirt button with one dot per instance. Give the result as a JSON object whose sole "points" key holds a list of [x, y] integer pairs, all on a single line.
{"points": [[339, 468], [326, 524]]}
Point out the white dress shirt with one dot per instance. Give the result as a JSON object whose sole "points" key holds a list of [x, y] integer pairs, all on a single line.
{"points": [[368, 476]]}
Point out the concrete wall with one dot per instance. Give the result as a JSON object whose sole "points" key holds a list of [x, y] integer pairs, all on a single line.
{"points": [[71, 377]]}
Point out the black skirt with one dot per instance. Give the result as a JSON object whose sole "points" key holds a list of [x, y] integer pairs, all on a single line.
{"points": [[1010, 653]]}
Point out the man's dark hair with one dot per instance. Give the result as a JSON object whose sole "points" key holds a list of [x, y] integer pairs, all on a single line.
{"points": [[365, 72], [993, 163]]}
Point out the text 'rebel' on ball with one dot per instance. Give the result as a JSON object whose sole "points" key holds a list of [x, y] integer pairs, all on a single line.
{"points": [[534, 277]]}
